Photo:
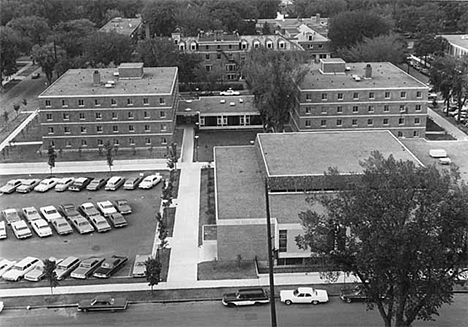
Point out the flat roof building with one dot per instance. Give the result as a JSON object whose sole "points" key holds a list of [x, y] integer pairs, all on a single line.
{"points": [[125, 26], [458, 44]]}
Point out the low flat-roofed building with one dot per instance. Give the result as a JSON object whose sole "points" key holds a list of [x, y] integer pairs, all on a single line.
{"points": [[220, 112], [283, 158], [125, 26], [458, 44]]}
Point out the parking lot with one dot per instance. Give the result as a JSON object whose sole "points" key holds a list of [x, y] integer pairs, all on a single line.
{"points": [[136, 238]]}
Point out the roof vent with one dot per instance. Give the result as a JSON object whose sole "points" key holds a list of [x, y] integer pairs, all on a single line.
{"points": [[108, 85], [241, 100], [232, 104], [222, 101]]}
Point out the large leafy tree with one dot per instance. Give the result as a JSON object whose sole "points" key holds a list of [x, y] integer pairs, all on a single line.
{"points": [[102, 48], [47, 56], [33, 29], [50, 274], [430, 44], [158, 52], [70, 35], [160, 16], [401, 229], [272, 77], [10, 45]]}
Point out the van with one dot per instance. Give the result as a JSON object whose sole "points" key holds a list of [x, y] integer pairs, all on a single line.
{"points": [[114, 183], [65, 267], [21, 268]]}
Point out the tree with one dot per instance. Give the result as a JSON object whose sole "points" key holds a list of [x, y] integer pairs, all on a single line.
{"points": [[10, 47], [110, 160], [33, 29], [171, 156], [50, 275], [381, 48], [160, 16], [272, 77], [6, 117], [52, 156], [107, 47], [158, 52], [430, 44], [350, 27], [47, 56], [16, 108], [153, 272], [401, 229], [71, 35]]}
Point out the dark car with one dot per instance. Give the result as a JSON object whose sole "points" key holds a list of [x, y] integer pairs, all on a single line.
{"points": [[205, 93], [117, 220], [110, 266], [79, 184], [123, 207], [69, 210], [103, 303], [96, 184], [11, 186], [354, 294], [246, 296]]}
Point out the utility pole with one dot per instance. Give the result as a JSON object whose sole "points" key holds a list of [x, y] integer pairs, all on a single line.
{"points": [[270, 259]]}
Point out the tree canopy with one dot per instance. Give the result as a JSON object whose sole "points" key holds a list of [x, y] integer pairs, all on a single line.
{"points": [[401, 229], [10, 45], [47, 56], [104, 48]]}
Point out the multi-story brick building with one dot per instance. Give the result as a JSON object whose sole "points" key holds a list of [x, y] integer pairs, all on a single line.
{"points": [[131, 107], [225, 52], [360, 96]]}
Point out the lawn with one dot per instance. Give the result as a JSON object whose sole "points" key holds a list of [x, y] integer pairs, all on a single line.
{"points": [[207, 204], [216, 270]]}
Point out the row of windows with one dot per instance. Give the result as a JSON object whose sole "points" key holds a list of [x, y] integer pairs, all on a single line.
{"points": [[99, 129], [355, 109], [357, 95], [354, 122], [99, 102], [244, 45], [129, 142], [98, 115]]}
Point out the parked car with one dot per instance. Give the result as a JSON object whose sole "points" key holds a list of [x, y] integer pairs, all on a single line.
{"points": [[106, 207], [132, 183], [21, 229], [5, 265], [86, 268], [246, 296], [35, 75], [354, 294], [11, 186], [117, 220], [28, 185], [41, 227], [65, 267], [61, 226], [81, 224], [205, 93], [69, 210], [11, 215], [20, 269], [96, 184], [114, 183], [3, 232], [46, 184], [88, 209], [123, 207], [38, 273], [150, 181], [63, 184], [139, 267], [110, 266], [229, 92], [100, 223], [103, 303], [50, 213], [79, 184], [31, 214], [304, 295]]}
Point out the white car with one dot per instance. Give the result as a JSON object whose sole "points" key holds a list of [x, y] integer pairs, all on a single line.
{"points": [[41, 227], [3, 232], [21, 229], [11, 186], [46, 184], [11, 215], [63, 184], [37, 273], [20, 269], [5, 265], [106, 207], [31, 214], [100, 223], [304, 295], [229, 92], [50, 213], [150, 181], [62, 227]]}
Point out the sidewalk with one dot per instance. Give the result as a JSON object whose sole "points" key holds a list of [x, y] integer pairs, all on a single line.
{"points": [[18, 130], [16, 75]]}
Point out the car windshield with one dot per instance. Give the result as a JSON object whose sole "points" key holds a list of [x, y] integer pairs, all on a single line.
{"points": [[62, 224], [21, 228], [50, 211], [106, 265], [82, 223], [101, 222], [43, 227], [139, 264], [107, 205]]}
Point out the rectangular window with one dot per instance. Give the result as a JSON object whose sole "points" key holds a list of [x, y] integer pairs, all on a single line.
{"points": [[64, 103], [218, 56], [340, 96], [115, 128], [131, 141], [402, 108], [283, 241], [147, 141], [162, 101], [83, 129], [147, 128], [115, 115], [324, 96], [100, 142], [371, 109], [323, 123], [96, 103], [308, 110], [47, 103], [98, 129], [66, 116], [324, 110], [355, 109], [385, 121], [80, 103], [82, 116], [207, 47], [307, 123], [113, 102], [418, 107], [308, 97], [66, 130], [209, 68], [116, 142], [370, 122], [50, 130], [68, 144], [339, 122], [130, 102], [202, 121], [371, 95], [386, 108], [49, 117], [247, 120], [418, 94], [145, 101], [356, 96], [403, 94], [146, 115], [131, 128], [417, 121], [163, 127], [354, 122], [163, 140], [162, 114], [339, 109], [387, 95], [415, 133], [130, 115], [84, 143], [401, 121], [207, 56], [98, 115]]}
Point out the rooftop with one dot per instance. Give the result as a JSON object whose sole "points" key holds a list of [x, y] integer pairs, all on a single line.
{"points": [[79, 82], [313, 153], [458, 40], [384, 75], [125, 26], [213, 105]]}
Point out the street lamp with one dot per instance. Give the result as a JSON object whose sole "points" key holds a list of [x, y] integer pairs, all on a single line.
{"points": [[196, 147]]}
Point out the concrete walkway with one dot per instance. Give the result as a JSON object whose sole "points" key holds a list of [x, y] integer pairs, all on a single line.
{"points": [[18, 129], [448, 126]]}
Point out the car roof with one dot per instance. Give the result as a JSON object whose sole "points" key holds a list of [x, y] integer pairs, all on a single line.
{"points": [[88, 204], [10, 210], [20, 223], [48, 207], [40, 222], [30, 208], [103, 298], [305, 289], [81, 179]]}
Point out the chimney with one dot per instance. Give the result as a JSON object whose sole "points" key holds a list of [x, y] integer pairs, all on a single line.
{"points": [[317, 18], [368, 72], [96, 78]]}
